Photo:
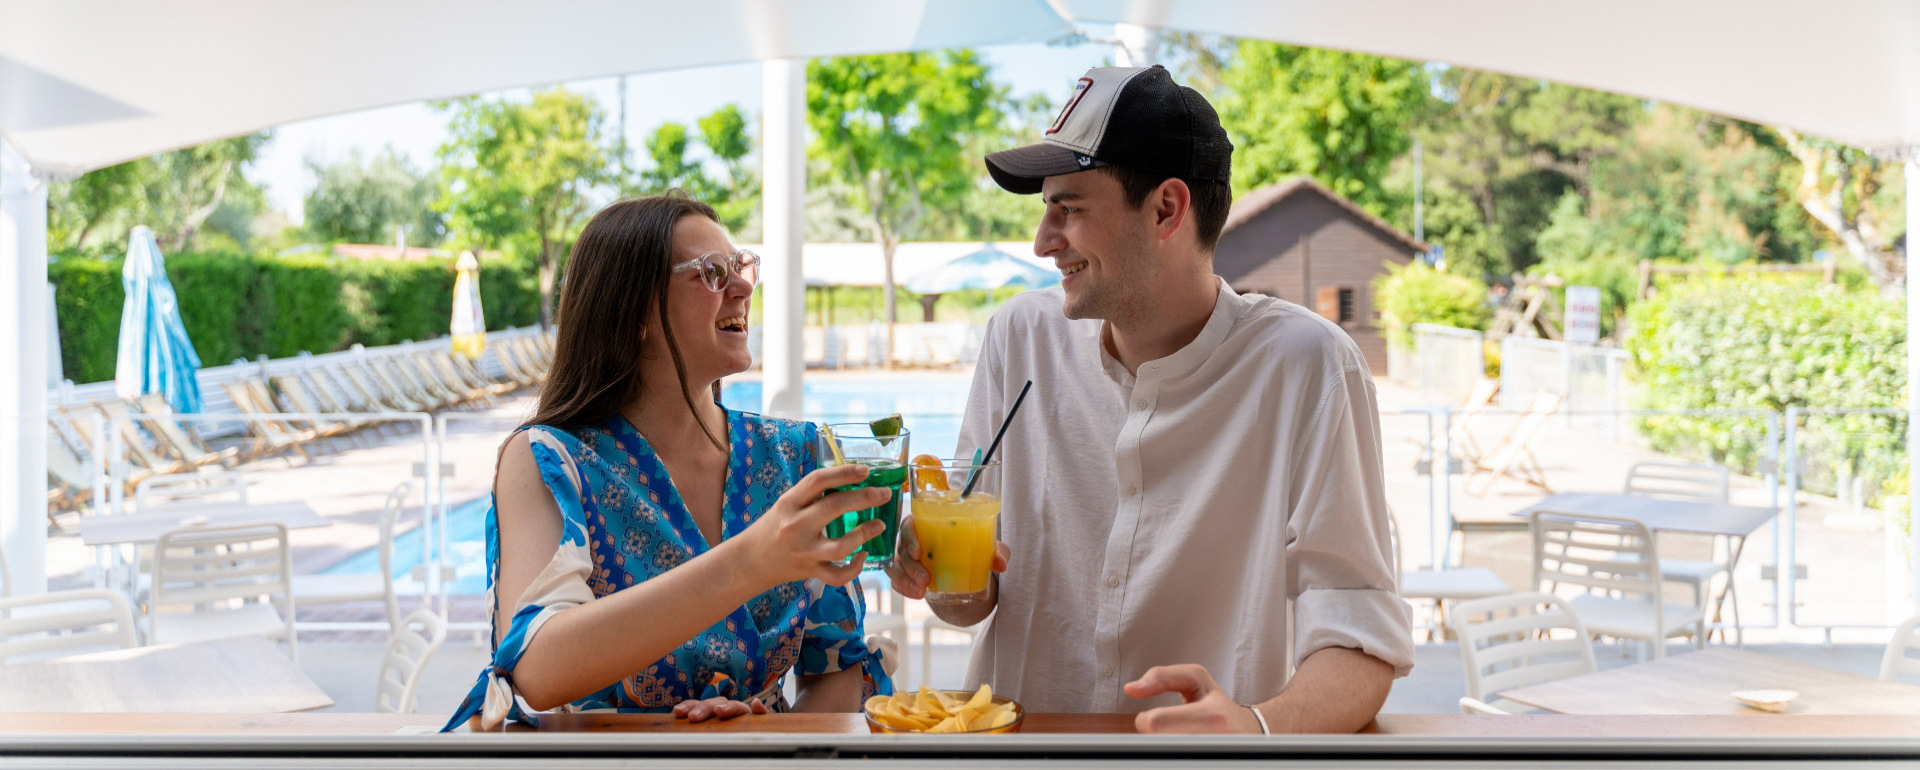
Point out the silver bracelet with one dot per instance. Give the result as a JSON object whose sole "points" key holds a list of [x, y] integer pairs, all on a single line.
{"points": [[1262, 719]]}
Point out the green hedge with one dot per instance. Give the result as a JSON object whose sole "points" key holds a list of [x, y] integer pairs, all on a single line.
{"points": [[241, 306], [1756, 343]]}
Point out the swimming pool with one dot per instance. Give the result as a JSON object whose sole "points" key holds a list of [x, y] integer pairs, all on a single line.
{"points": [[932, 407]]}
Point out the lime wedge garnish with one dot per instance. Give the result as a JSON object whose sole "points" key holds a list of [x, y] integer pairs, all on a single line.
{"points": [[887, 427]]}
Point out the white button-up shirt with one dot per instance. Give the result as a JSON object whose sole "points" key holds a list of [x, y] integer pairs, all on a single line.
{"points": [[1172, 516]]}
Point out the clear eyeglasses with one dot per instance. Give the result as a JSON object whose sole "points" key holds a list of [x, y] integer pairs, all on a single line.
{"points": [[717, 267]]}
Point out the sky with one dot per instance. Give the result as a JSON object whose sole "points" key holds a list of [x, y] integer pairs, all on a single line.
{"points": [[416, 130]]}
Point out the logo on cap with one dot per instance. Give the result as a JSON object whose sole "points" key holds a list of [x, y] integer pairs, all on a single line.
{"points": [[1079, 90], [1083, 160]]}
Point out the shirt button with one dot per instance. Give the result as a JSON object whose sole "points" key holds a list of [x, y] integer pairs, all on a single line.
{"points": [[1132, 490], [1106, 671], [1140, 403], [1113, 582]]}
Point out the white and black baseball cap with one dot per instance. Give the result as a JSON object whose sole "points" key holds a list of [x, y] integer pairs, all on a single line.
{"points": [[1123, 116]]}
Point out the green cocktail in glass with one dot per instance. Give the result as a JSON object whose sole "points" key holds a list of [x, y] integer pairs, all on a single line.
{"points": [[886, 461]]}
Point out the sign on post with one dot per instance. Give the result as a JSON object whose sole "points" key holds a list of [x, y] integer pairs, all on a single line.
{"points": [[1583, 315]]}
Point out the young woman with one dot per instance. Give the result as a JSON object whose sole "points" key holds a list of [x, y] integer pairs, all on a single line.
{"points": [[649, 549]]}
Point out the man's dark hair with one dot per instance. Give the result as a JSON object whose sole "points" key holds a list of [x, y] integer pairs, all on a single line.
{"points": [[1211, 200]]}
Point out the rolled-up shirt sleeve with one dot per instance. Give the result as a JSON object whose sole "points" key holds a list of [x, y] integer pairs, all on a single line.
{"points": [[1341, 577]]}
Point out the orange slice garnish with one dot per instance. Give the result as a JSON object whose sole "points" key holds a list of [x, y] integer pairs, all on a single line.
{"points": [[927, 473]]}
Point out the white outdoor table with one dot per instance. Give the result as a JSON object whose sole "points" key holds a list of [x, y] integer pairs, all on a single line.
{"points": [[1661, 515], [1697, 517], [149, 526], [1701, 683], [246, 674]]}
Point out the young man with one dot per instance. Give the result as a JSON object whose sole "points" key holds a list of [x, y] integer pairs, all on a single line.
{"points": [[1193, 496]]}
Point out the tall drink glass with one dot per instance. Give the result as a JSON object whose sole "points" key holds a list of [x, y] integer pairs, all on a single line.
{"points": [[956, 534], [886, 461]]}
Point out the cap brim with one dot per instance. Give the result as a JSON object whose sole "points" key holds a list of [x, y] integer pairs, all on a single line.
{"points": [[1021, 170]]}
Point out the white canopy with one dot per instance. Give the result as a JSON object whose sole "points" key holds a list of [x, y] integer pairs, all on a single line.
{"points": [[89, 83], [1847, 70]]}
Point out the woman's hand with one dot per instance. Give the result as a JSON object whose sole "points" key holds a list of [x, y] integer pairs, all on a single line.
{"points": [[789, 541], [722, 708]]}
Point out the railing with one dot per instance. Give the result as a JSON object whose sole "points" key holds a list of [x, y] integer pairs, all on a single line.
{"points": [[1589, 376], [1446, 362], [216, 403]]}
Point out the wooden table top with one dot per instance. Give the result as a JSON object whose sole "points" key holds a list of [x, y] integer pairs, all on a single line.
{"points": [[1700, 683], [1416, 725], [247, 674], [1660, 514], [148, 527]]}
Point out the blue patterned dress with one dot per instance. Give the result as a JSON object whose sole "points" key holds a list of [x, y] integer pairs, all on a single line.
{"points": [[623, 523]]}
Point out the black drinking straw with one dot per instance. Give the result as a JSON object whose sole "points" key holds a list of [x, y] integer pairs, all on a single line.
{"points": [[974, 478]]}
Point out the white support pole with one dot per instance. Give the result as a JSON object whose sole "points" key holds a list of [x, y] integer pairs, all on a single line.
{"points": [[23, 390], [1913, 375], [783, 142], [1138, 46]]}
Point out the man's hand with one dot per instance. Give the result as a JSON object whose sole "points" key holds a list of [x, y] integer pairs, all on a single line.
{"points": [[910, 576], [1206, 708]]}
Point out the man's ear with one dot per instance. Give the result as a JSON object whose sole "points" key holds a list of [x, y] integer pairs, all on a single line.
{"points": [[1172, 205]]}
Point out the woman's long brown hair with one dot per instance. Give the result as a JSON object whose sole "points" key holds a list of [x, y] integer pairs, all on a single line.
{"points": [[615, 278]]}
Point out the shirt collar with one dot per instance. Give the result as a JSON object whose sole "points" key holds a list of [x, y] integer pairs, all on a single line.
{"points": [[1227, 307]]}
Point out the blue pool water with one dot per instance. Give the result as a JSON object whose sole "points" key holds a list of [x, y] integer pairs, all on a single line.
{"points": [[932, 407]]}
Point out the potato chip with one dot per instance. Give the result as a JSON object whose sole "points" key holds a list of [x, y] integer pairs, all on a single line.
{"points": [[938, 711]]}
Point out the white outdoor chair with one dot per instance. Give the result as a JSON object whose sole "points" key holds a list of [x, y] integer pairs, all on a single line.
{"points": [[1472, 706], [402, 667], [1514, 647], [1702, 482], [1615, 560], [174, 488], [1901, 651], [61, 623], [232, 578], [310, 590], [886, 616], [1441, 585]]}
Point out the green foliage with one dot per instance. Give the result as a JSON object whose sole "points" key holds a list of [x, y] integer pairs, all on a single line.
{"points": [[88, 297], [1339, 117], [190, 197], [1416, 294], [237, 306], [1569, 249], [1752, 343], [520, 174], [887, 126], [362, 202]]}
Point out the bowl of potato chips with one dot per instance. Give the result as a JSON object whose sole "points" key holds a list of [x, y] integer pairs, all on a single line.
{"points": [[944, 711]]}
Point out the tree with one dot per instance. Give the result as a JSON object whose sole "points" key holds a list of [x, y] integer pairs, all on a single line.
{"points": [[672, 166], [724, 131], [1842, 188], [893, 127], [112, 197], [1341, 118], [362, 202], [1510, 147], [193, 183], [175, 193], [514, 170]]}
